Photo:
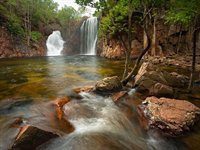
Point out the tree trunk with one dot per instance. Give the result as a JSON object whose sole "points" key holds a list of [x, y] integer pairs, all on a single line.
{"points": [[194, 39], [179, 40], [153, 48], [128, 49], [144, 51], [28, 26]]}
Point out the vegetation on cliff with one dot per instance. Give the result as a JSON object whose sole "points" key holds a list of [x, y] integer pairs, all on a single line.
{"points": [[26, 19]]}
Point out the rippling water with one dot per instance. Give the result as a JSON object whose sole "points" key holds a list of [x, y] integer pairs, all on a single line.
{"points": [[51, 76], [28, 85]]}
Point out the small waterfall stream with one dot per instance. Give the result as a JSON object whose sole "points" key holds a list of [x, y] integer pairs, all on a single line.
{"points": [[54, 44], [89, 36]]}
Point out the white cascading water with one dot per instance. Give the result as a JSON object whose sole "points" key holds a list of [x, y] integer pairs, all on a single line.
{"points": [[54, 44], [89, 36]]}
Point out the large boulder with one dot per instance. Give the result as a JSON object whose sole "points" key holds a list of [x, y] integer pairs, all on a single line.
{"points": [[176, 80], [161, 90], [108, 84], [155, 84], [159, 83], [144, 68], [171, 116]]}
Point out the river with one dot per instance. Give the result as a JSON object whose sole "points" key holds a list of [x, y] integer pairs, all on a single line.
{"points": [[99, 123]]}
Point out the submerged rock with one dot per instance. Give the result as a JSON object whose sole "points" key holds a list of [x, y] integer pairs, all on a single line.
{"points": [[108, 84], [171, 116], [29, 138], [84, 89], [10, 105]]}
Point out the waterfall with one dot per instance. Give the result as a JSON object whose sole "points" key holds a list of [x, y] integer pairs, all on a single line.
{"points": [[54, 44], [89, 36]]}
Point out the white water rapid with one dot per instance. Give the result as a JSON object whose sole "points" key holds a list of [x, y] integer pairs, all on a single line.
{"points": [[89, 36], [54, 44]]}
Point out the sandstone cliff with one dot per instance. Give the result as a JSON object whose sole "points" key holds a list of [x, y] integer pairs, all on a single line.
{"points": [[14, 47], [167, 40]]}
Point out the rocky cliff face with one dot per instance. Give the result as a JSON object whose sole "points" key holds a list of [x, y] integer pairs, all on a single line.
{"points": [[13, 47], [72, 38], [113, 49], [167, 40]]}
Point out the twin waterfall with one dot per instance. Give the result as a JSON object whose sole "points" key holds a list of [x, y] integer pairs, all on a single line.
{"points": [[55, 42], [89, 36]]}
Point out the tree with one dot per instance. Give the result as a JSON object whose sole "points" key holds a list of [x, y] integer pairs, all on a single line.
{"points": [[186, 13], [148, 10], [65, 16]]}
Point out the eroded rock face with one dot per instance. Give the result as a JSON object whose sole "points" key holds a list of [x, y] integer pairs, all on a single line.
{"points": [[171, 116], [108, 84], [114, 49]]}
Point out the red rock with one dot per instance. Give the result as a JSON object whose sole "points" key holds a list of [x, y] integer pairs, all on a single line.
{"points": [[114, 49], [117, 96], [171, 116], [84, 89], [60, 102]]}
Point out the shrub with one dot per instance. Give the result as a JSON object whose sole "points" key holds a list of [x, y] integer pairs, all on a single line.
{"points": [[36, 36], [15, 29]]}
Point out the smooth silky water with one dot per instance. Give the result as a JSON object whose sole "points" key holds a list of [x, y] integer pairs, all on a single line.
{"points": [[99, 123]]}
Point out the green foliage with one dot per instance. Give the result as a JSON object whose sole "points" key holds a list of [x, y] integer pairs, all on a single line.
{"points": [[15, 29], [115, 22], [66, 14], [24, 15], [182, 11], [36, 36], [182, 17]]}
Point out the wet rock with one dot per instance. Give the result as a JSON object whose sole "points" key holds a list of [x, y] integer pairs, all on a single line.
{"points": [[119, 95], [84, 89], [108, 84], [31, 137], [60, 102], [171, 116]]}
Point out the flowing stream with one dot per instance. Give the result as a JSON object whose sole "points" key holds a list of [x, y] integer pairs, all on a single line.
{"points": [[54, 44], [28, 85], [89, 36]]}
